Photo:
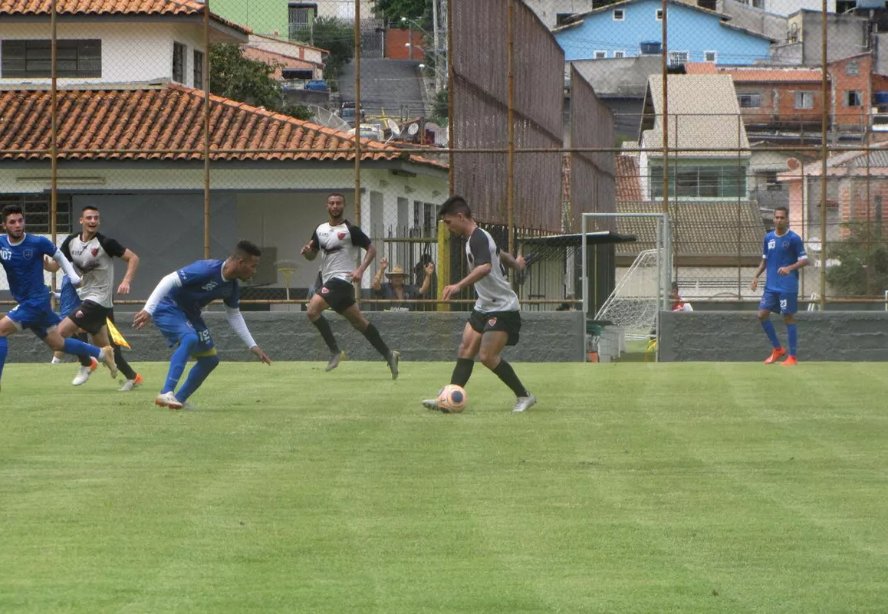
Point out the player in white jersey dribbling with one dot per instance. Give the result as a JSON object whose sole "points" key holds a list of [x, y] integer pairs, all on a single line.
{"points": [[496, 318], [340, 244]]}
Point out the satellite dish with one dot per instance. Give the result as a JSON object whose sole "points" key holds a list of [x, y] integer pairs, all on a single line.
{"points": [[413, 129], [324, 117], [394, 127]]}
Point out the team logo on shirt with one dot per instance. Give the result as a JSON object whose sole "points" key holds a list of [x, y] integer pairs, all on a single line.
{"points": [[341, 235], [210, 286], [5, 254], [28, 254], [95, 251], [786, 245]]}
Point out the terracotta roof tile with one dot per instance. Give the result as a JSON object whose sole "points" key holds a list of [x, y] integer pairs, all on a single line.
{"points": [[128, 124], [628, 179], [110, 7]]}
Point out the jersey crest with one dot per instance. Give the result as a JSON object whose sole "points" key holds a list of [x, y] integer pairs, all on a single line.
{"points": [[341, 235]]}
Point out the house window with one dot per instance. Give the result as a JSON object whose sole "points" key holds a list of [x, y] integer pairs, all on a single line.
{"points": [[804, 100], [852, 69], [302, 16], [853, 99], [707, 4], [198, 69], [33, 58], [619, 54], [600, 55], [749, 101], [618, 14], [37, 208], [677, 58], [562, 19], [659, 14], [700, 181], [710, 56], [179, 51]]}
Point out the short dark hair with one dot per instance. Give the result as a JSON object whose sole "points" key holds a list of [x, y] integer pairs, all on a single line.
{"points": [[783, 208], [11, 210], [339, 194], [246, 248], [89, 208], [455, 205]]}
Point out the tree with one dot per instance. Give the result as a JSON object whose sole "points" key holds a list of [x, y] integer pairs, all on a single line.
{"points": [[250, 81], [334, 35], [395, 9], [441, 108], [864, 262]]}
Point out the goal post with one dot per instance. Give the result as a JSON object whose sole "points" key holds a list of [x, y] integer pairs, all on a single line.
{"points": [[641, 289]]}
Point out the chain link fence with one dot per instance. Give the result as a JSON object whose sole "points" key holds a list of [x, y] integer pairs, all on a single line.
{"points": [[193, 124]]}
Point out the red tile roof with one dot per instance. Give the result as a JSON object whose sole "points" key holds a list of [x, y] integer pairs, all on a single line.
{"points": [[132, 124], [742, 74], [110, 7], [628, 178], [278, 60]]}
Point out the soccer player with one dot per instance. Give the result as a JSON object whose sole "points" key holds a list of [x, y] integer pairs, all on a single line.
{"points": [[496, 318], [783, 254], [92, 253], [176, 305], [21, 255], [340, 244]]}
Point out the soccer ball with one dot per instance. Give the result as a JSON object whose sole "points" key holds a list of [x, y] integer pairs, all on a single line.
{"points": [[452, 399]]}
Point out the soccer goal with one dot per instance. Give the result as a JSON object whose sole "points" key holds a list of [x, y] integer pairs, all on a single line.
{"points": [[642, 288]]}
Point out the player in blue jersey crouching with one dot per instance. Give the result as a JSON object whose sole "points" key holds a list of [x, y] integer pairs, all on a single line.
{"points": [[21, 256], [176, 304], [783, 254]]}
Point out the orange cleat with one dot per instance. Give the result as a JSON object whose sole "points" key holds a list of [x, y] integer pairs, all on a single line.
{"points": [[775, 356], [790, 362]]}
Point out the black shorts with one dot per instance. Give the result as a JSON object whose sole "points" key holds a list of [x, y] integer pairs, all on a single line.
{"points": [[339, 294], [91, 316], [506, 321]]}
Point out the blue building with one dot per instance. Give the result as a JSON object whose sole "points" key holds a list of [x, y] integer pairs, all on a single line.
{"points": [[634, 27]]}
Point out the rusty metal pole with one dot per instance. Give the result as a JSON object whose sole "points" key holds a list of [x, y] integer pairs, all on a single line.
{"points": [[357, 43], [54, 130], [824, 121], [450, 90], [665, 74], [206, 130], [510, 188], [806, 234]]}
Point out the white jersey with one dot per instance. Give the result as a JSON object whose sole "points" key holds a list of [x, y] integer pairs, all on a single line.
{"points": [[94, 260], [494, 291], [340, 248]]}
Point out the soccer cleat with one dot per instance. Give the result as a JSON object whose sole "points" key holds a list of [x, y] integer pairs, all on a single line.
{"points": [[524, 403], [129, 384], [83, 373], [775, 356], [55, 361], [168, 399], [431, 404], [790, 362], [393, 360], [335, 360], [109, 360]]}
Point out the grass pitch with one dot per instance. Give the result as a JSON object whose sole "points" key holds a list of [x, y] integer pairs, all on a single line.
{"points": [[642, 488]]}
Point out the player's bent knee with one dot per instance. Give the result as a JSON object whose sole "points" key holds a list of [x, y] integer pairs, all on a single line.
{"points": [[489, 360], [189, 340], [210, 362]]}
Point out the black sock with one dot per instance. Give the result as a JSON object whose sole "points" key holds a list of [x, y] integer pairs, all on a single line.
{"points": [[505, 372], [85, 360], [462, 371], [376, 341], [327, 333], [122, 365]]}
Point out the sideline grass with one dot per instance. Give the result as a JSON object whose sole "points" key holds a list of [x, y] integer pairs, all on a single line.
{"points": [[691, 488]]}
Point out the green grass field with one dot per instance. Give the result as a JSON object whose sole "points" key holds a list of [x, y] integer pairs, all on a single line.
{"points": [[684, 488]]}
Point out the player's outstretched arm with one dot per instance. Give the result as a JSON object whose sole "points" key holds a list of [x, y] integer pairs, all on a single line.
{"points": [[163, 288], [310, 251], [67, 267], [50, 265], [478, 273], [239, 326], [369, 257], [132, 263], [511, 261]]}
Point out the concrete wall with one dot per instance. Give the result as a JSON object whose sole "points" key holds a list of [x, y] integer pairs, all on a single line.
{"points": [[545, 337], [735, 336]]}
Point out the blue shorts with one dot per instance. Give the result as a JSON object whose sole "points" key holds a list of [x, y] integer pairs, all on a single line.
{"points": [[786, 303], [39, 318], [69, 301], [174, 325]]}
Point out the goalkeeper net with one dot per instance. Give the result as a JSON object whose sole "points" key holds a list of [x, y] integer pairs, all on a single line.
{"points": [[635, 301]]}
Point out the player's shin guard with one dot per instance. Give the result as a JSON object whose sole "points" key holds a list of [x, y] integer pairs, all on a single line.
{"points": [[79, 348], [83, 358], [771, 332], [199, 372], [4, 348], [792, 334], [505, 372], [177, 363], [375, 339], [323, 327], [462, 372]]}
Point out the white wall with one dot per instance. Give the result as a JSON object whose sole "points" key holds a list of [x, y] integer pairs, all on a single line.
{"points": [[130, 51], [292, 50]]}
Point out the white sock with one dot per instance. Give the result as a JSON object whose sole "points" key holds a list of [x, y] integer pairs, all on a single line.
{"points": [[101, 355], [55, 361]]}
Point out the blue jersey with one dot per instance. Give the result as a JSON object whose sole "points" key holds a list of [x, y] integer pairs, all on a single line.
{"points": [[23, 263], [202, 283], [781, 251]]}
